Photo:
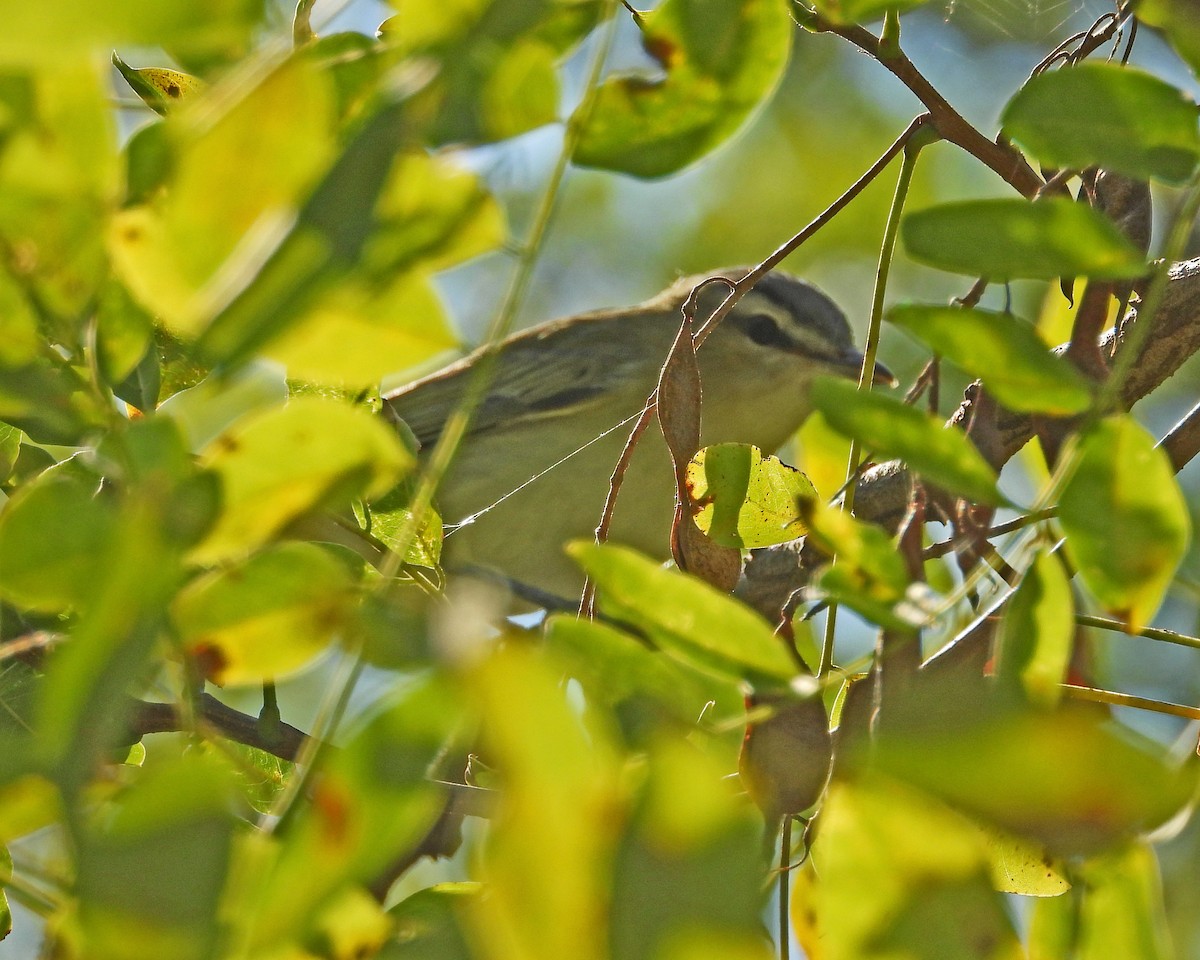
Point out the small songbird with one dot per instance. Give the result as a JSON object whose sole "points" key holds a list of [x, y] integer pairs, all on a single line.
{"points": [[533, 470]]}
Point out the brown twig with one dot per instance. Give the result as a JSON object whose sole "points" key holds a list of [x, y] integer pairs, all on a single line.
{"points": [[284, 742], [950, 124]]}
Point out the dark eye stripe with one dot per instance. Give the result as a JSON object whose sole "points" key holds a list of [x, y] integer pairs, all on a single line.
{"points": [[765, 331]]}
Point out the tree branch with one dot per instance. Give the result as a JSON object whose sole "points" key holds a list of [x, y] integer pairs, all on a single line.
{"points": [[951, 125], [150, 717]]}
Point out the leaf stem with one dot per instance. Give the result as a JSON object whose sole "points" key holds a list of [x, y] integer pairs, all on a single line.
{"points": [[912, 150]]}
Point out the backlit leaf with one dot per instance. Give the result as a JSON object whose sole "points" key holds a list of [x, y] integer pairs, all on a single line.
{"points": [[1104, 115], [721, 60], [1070, 779], [861, 11], [741, 498], [1122, 911], [496, 61], [1037, 634], [926, 868]]}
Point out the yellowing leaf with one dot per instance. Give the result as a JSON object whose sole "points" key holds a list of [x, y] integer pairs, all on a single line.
{"points": [[926, 868], [237, 185], [355, 336], [267, 617], [544, 899], [280, 464], [157, 86], [741, 498]]}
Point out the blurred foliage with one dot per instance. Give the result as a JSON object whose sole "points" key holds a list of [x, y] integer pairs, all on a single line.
{"points": [[201, 291]]}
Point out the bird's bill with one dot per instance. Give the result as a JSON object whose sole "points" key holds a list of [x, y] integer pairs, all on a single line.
{"points": [[881, 376]]}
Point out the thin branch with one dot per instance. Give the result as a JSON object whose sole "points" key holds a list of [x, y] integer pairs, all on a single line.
{"points": [[1182, 441], [1095, 695], [943, 547], [1150, 633], [950, 124], [285, 742]]}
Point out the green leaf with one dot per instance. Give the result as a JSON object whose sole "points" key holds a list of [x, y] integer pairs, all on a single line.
{"points": [[267, 617], [721, 58], [84, 704], [495, 76], [1005, 352], [1009, 239], [926, 868], [355, 336], [124, 334], [281, 464], [690, 834], [1126, 521], [1070, 779], [73, 30], [10, 449], [354, 62], [685, 616], [944, 457], [149, 157], [869, 575], [6, 867], [52, 533], [49, 401], [134, 898], [371, 805], [560, 785], [1177, 21], [1037, 633], [1104, 115], [430, 924], [741, 498], [613, 668], [389, 518]]}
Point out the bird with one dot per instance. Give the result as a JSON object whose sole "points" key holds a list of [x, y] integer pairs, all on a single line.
{"points": [[532, 472]]}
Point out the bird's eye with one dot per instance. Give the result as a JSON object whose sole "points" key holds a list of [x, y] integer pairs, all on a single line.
{"points": [[765, 331]]}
